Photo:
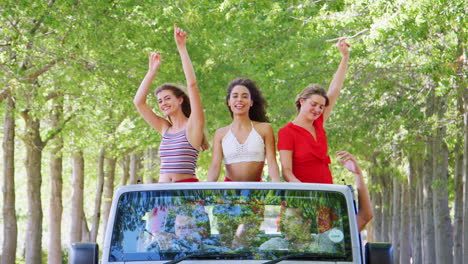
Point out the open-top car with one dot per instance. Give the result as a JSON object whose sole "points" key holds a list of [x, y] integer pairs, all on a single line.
{"points": [[236, 222]]}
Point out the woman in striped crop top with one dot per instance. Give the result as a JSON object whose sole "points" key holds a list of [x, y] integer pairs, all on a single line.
{"points": [[183, 135], [248, 140]]}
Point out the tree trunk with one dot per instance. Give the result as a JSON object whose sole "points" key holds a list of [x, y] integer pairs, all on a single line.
{"points": [[428, 235], [34, 146], [418, 248], [465, 172], [135, 166], [125, 164], [386, 183], [10, 226], [108, 190], [98, 198], [153, 163], [377, 201], [377, 220], [404, 228], [442, 220], [458, 188], [461, 255], [370, 231], [443, 223], [85, 233], [387, 207], [422, 221], [458, 204], [77, 197], [429, 255], [415, 216], [396, 216], [55, 202]]}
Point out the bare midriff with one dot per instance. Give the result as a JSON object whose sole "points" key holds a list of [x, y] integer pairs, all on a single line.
{"points": [[245, 171], [175, 177]]}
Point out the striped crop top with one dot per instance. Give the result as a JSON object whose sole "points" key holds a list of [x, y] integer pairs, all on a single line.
{"points": [[177, 154]]}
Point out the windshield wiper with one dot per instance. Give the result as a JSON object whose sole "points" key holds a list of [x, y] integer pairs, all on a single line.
{"points": [[203, 254], [308, 255]]}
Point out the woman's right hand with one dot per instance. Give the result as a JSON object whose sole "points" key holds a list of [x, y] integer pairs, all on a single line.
{"points": [[348, 161], [154, 62]]}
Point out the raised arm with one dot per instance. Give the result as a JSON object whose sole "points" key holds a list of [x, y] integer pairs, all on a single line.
{"points": [[286, 166], [157, 122], [196, 122], [270, 149], [216, 157], [365, 213], [338, 79]]}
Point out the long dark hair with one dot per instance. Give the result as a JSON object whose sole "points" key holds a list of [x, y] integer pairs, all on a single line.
{"points": [[178, 93], [257, 111], [309, 91]]}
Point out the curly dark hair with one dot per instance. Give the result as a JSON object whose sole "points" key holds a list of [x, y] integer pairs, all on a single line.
{"points": [[257, 111]]}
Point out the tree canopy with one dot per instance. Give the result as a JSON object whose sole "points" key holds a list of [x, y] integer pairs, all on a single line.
{"points": [[406, 80]]}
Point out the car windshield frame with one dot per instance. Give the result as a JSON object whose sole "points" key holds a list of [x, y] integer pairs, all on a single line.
{"points": [[207, 195]]}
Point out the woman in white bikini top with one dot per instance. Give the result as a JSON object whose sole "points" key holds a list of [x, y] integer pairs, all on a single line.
{"points": [[248, 140], [253, 149]]}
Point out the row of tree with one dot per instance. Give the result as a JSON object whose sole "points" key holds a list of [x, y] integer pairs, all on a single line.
{"points": [[69, 71]]}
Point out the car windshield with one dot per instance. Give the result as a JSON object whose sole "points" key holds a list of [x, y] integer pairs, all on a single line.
{"points": [[231, 224]]}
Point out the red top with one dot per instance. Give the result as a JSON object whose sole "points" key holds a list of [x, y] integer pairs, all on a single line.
{"points": [[310, 159]]}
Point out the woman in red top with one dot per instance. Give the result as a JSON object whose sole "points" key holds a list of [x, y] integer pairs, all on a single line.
{"points": [[302, 143]]}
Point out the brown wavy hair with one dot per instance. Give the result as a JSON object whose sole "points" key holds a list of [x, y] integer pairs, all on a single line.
{"points": [[179, 92]]}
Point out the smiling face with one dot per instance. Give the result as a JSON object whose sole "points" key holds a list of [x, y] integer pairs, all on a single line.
{"points": [[168, 102], [239, 100], [312, 107]]}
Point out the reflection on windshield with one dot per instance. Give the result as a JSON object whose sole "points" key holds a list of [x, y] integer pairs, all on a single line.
{"points": [[239, 224]]}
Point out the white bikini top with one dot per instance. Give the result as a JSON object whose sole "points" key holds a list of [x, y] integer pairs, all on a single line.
{"points": [[253, 148]]}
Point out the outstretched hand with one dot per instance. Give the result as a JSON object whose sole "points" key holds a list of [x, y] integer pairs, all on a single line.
{"points": [[180, 36], [348, 161], [154, 61], [343, 46]]}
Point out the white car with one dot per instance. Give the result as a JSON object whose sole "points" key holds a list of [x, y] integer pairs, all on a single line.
{"points": [[232, 222]]}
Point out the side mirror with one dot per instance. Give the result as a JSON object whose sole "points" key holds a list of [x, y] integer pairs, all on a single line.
{"points": [[379, 253], [84, 253]]}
